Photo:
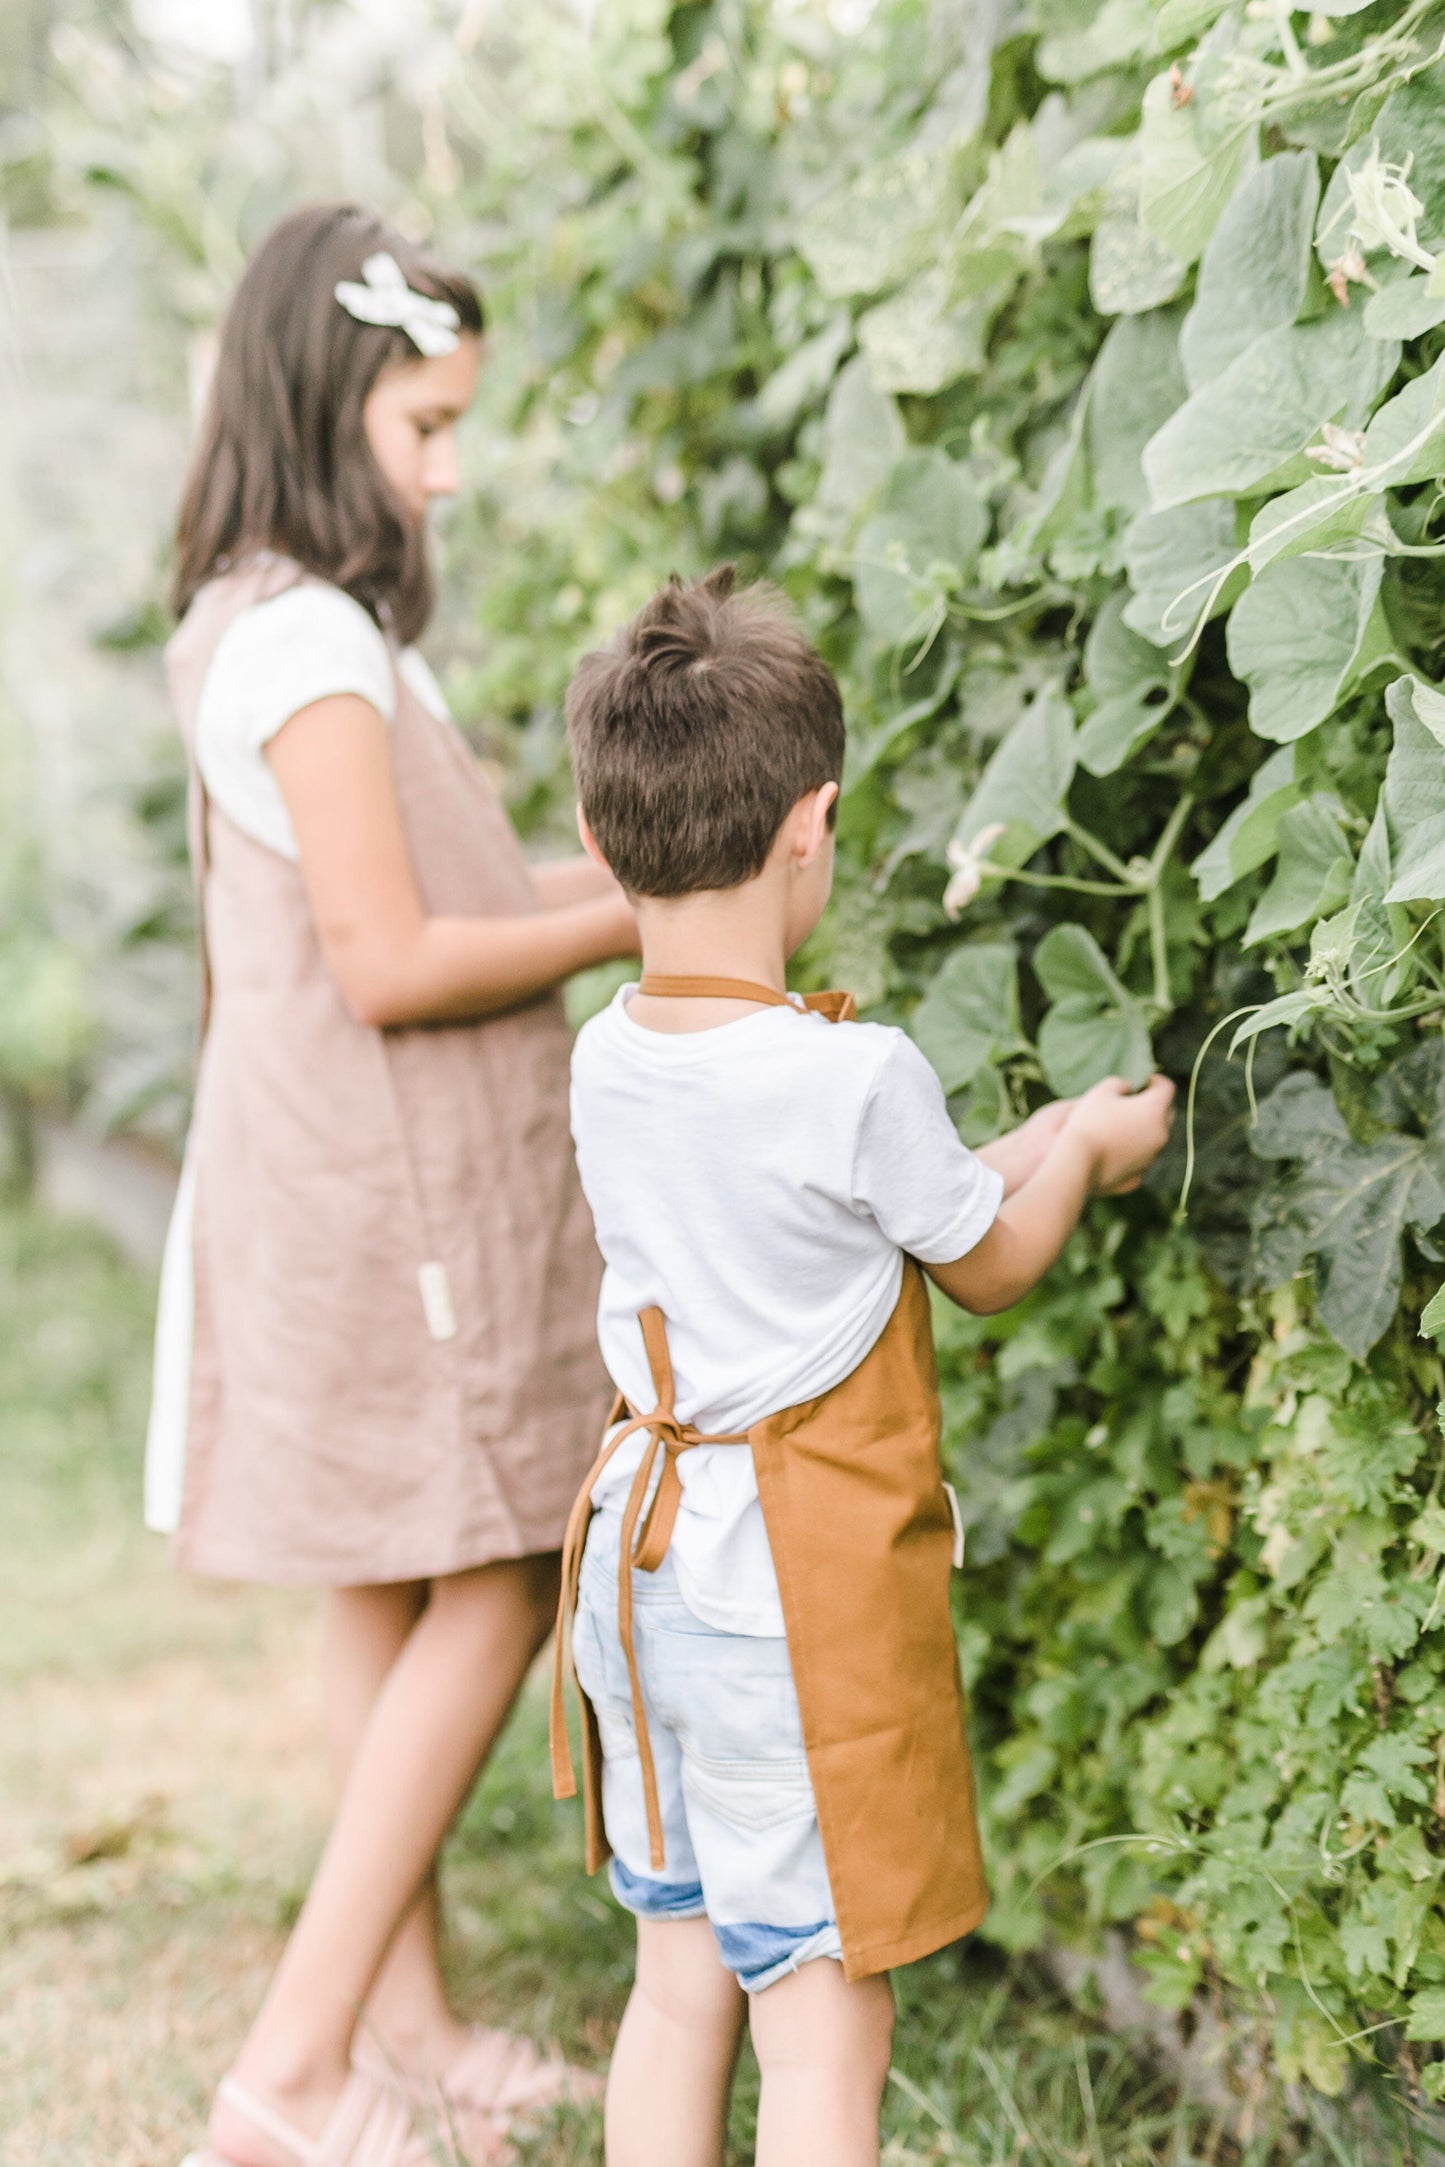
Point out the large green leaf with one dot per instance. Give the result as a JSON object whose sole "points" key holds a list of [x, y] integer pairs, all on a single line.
{"points": [[1405, 441], [862, 440], [1174, 559], [1093, 1027], [1301, 636], [1348, 1205], [804, 376], [1189, 165], [1405, 309], [1253, 272], [1132, 687], [1130, 268], [1250, 835], [1023, 788], [924, 536], [1115, 31], [880, 227], [1135, 386], [926, 335], [1246, 430], [1414, 793], [970, 1013], [1312, 876], [1379, 931], [1328, 508]]}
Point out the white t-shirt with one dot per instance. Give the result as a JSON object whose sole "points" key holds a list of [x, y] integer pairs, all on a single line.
{"points": [[272, 660], [760, 1183]]}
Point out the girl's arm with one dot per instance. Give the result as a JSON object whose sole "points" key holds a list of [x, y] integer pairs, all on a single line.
{"points": [[1019, 1154], [393, 963], [563, 881]]}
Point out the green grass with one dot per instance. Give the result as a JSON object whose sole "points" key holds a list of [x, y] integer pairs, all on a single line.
{"points": [[179, 1915]]}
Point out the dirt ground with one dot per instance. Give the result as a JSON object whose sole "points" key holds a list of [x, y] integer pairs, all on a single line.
{"points": [[163, 1791], [157, 1823]]}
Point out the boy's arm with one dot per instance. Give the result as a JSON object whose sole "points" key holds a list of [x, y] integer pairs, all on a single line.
{"points": [[1103, 1146]]}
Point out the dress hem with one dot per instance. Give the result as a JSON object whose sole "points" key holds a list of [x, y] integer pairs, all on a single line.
{"points": [[203, 1562]]}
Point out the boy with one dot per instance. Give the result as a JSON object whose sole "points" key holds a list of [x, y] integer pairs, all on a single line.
{"points": [[773, 1689]]}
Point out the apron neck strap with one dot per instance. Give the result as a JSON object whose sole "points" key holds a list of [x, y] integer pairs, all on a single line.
{"points": [[837, 1007], [659, 986]]}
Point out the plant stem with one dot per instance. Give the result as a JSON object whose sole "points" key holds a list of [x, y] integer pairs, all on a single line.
{"points": [[1170, 835], [1057, 880], [1159, 950], [1102, 854]]}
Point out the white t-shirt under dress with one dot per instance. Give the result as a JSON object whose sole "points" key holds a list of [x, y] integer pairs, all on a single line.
{"points": [[274, 659], [760, 1183]]}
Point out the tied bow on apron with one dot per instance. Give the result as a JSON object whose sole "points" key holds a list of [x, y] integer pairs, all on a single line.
{"points": [[667, 1437]]}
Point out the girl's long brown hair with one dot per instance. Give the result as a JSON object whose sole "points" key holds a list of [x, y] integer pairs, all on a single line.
{"points": [[283, 461]]}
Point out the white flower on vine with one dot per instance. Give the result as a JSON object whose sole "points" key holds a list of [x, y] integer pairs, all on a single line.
{"points": [[1351, 270], [1342, 450], [968, 861], [1386, 209]]}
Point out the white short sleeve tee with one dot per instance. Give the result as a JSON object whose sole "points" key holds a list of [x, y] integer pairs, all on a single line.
{"points": [[272, 660], [761, 1184]]}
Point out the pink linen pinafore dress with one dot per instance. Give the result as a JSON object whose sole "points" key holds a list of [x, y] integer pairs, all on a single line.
{"points": [[394, 1371]]}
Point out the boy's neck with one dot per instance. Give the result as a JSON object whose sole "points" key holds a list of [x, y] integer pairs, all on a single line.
{"points": [[734, 933]]}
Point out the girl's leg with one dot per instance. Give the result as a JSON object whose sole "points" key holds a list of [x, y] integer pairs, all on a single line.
{"points": [[672, 2067], [823, 2047], [363, 1633], [443, 1702]]}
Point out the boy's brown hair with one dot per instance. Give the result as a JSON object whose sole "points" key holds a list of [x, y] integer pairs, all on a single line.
{"points": [[695, 733]]}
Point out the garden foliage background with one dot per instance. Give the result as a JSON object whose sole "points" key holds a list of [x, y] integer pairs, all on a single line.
{"points": [[1078, 369]]}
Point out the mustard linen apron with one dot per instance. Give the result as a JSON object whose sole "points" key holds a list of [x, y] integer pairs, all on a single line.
{"points": [[394, 1367], [861, 1532]]}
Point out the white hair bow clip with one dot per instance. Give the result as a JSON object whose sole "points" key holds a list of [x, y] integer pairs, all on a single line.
{"points": [[432, 326]]}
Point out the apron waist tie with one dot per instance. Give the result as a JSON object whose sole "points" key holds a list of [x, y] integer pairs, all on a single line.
{"points": [[644, 1551]]}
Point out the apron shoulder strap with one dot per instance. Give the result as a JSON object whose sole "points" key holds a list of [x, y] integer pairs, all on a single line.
{"points": [[837, 1007]]}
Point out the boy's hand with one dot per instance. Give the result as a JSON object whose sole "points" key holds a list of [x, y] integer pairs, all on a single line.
{"points": [[1125, 1130]]}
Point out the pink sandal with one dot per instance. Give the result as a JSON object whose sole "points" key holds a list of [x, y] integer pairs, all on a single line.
{"points": [[371, 2126]]}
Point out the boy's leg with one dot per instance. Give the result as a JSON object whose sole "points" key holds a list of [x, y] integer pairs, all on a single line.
{"points": [[823, 2047], [667, 2092]]}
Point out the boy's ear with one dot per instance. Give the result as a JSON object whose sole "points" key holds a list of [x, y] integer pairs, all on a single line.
{"points": [[589, 842], [816, 823]]}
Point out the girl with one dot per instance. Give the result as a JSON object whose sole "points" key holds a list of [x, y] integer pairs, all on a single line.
{"points": [[375, 1357]]}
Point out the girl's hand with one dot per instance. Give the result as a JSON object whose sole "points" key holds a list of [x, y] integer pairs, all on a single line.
{"points": [[623, 922], [561, 882], [1046, 1123], [1019, 1154]]}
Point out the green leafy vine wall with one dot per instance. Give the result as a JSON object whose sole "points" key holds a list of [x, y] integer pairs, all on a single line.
{"points": [[1080, 371]]}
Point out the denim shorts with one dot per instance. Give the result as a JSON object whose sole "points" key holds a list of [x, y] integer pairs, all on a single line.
{"points": [[740, 1826]]}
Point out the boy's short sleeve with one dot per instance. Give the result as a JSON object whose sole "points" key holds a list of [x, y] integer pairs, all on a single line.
{"points": [[928, 1192]]}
